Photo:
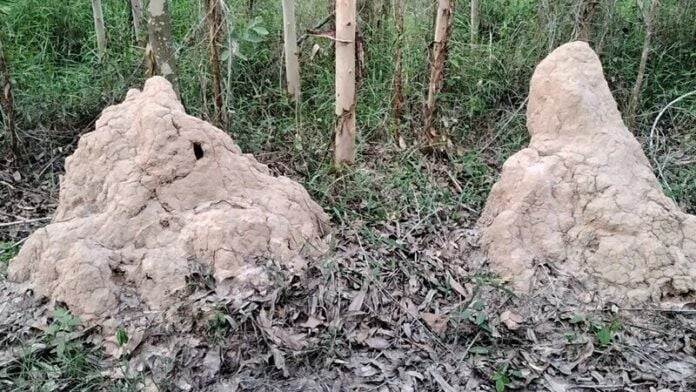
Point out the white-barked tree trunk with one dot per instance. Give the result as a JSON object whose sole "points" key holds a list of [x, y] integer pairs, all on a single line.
{"points": [[344, 143]]}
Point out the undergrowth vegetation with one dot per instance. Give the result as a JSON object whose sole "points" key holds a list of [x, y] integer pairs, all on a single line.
{"points": [[60, 83], [60, 359], [7, 251]]}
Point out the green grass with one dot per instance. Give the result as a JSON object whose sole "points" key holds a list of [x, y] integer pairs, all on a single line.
{"points": [[7, 252], [60, 359], [60, 83]]}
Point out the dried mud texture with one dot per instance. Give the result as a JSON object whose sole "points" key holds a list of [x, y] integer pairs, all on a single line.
{"points": [[583, 196], [154, 194]]}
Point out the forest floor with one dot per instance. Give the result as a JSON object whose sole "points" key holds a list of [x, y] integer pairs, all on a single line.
{"points": [[403, 302]]}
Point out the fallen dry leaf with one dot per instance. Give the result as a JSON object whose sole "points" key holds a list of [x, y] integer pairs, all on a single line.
{"points": [[436, 322], [584, 354], [357, 302], [555, 384], [315, 50], [279, 361], [512, 320], [311, 323], [441, 381], [378, 343], [456, 286]]}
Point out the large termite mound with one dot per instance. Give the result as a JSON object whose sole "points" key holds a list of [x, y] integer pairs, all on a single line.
{"points": [[583, 196], [154, 196]]}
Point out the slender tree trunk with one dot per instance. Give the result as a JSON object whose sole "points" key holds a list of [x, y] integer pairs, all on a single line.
{"points": [[635, 95], [443, 28], [99, 26], [345, 82], [137, 11], [7, 105], [214, 22], [292, 64], [161, 42], [583, 25], [475, 21], [398, 98]]}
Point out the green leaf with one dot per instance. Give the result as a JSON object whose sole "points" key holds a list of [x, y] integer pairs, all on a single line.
{"points": [[604, 336], [499, 385], [460, 316], [250, 36], [480, 318], [577, 318], [501, 380], [260, 30], [570, 336], [60, 347], [51, 329], [64, 319], [121, 337], [7, 250], [478, 305]]}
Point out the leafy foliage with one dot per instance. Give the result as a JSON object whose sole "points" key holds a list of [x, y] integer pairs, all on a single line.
{"points": [[7, 252], [605, 332], [60, 359], [5, 7], [121, 337]]}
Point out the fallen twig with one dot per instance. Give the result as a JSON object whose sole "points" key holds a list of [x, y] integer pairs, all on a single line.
{"points": [[684, 311], [19, 222]]}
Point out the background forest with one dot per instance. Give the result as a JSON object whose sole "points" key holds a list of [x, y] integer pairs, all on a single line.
{"points": [[60, 82]]}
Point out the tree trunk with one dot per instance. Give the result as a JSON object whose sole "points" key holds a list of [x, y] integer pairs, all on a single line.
{"points": [[398, 98], [7, 105], [99, 26], [475, 21], [583, 24], [635, 95], [214, 22], [345, 82], [443, 27], [292, 65], [161, 42], [137, 11]]}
